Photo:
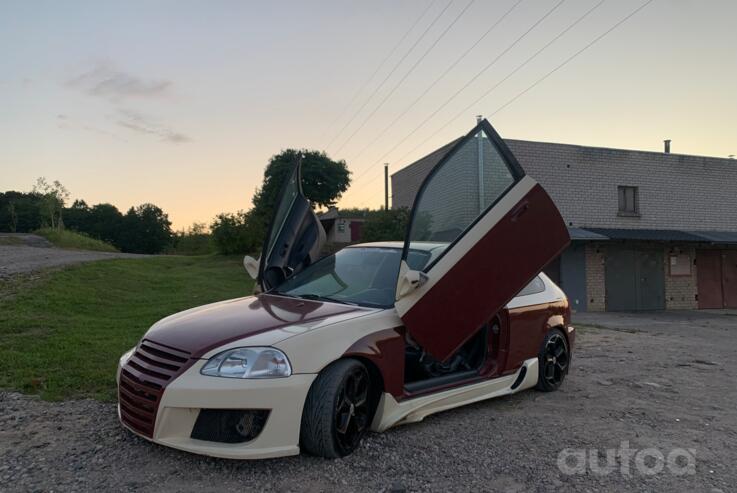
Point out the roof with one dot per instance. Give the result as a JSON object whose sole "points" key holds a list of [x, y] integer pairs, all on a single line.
{"points": [[716, 237], [583, 234]]}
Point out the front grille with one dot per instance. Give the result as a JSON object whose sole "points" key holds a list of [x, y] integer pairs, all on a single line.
{"points": [[142, 381]]}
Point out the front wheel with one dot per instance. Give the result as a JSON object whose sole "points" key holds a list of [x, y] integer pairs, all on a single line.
{"points": [[553, 359], [338, 410]]}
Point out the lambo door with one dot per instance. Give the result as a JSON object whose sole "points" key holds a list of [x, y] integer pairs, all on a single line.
{"points": [[501, 229], [295, 235]]}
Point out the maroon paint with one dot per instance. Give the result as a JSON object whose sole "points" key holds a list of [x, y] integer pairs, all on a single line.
{"points": [[490, 274], [529, 326], [709, 278], [729, 278], [385, 349], [142, 382], [204, 328]]}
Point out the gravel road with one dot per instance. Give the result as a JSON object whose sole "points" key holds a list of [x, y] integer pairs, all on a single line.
{"points": [[33, 253], [660, 381]]}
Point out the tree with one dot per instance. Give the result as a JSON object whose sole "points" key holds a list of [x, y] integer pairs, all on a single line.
{"points": [[53, 197], [323, 182], [146, 229], [236, 233]]}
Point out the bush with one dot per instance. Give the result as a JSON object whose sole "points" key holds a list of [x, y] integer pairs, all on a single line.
{"points": [[70, 239], [238, 233], [385, 225], [194, 241]]}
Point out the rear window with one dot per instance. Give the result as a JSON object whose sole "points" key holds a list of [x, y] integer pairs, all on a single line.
{"points": [[535, 286]]}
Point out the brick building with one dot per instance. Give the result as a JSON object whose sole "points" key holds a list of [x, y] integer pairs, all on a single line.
{"points": [[650, 230]]}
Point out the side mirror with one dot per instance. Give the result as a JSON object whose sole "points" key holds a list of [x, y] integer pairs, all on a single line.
{"points": [[251, 265], [409, 281]]}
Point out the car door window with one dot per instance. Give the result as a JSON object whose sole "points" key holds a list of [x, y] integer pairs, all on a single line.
{"points": [[291, 191], [461, 188]]}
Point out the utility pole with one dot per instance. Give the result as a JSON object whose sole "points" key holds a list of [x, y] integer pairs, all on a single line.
{"points": [[480, 139], [386, 186]]}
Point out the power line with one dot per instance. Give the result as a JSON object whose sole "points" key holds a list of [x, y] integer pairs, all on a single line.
{"points": [[435, 82], [422, 36], [565, 62], [412, 68], [594, 41], [478, 74], [378, 68], [507, 77]]}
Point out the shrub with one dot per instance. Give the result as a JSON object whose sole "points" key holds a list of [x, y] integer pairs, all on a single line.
{"points": [[70, 239], [237, 233]]}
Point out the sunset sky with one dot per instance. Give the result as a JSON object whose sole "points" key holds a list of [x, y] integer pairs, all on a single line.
{"points": [[181, 103]]}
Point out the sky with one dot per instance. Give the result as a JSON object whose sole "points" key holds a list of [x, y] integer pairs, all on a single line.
{"points": [[181, 103]]}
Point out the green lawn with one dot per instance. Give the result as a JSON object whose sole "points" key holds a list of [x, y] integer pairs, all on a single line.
{"points": [[61, 334], [71, 239]]}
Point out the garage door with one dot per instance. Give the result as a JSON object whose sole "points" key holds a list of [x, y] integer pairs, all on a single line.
{"points": [[716, 275], [635, 280]]}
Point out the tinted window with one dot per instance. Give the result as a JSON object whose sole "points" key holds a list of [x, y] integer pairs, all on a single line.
{"points": [[463, 188], [365, 276], [291, 191], [537, 285]]}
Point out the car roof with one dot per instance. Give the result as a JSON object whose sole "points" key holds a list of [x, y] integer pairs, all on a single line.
{"points": [[416, 245]]}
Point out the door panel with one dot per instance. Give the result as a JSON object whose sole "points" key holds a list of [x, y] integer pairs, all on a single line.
{"points": [[651, 280], [621, 276], [729, 278], [573, 276], [709, 278], [502, 229], [634, 280], [295, 235]]}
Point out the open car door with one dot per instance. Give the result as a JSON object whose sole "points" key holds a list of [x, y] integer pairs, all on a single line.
{"points": [[295, 235], [501, 227]]}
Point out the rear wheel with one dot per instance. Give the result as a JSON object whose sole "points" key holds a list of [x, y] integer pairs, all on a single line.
{"points": [[338, 410], [554, 359]]}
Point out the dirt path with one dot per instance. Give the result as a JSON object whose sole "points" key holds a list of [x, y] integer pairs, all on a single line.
{"points": [[658, 382], [25, 253]]}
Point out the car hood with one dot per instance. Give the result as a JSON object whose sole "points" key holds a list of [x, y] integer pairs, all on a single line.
{"points": [[207, 327]]}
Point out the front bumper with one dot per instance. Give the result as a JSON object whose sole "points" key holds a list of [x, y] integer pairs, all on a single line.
{"points": [[185, 396]]}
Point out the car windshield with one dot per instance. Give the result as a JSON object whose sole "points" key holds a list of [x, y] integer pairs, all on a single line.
{"points": [[365, 276]]}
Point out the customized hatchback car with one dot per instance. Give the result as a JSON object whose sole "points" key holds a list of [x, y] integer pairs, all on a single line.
{"points": [[378, 334]]}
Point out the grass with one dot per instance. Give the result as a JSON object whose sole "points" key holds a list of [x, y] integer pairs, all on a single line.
{"points": [[71, 239], [61, 334], [10, 241]]}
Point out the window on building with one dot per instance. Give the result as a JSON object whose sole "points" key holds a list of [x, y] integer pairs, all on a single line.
{"points": [[341, 226], [628, 201]]}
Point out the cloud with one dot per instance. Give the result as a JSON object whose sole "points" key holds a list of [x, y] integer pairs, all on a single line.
{"points": [[137, 122], [106, 82]]}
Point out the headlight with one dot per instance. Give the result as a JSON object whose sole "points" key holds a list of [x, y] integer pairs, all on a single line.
{"points": [[248, 362]]}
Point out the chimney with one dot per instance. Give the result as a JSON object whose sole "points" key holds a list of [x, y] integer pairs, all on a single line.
{"points": [[479, 118], [667, 146]]}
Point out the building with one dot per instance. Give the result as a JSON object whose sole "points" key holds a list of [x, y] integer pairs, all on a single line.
{"points": [[342, 227], [649, 230]]}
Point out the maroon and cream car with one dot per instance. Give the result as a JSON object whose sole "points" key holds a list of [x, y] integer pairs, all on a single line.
{"points": [[378, 334]]}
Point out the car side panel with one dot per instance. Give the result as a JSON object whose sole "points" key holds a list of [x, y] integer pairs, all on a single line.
{"points": [[385, 349], [528, 326]]}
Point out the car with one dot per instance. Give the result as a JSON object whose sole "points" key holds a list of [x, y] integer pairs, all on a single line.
{"points": [[374, 336]]}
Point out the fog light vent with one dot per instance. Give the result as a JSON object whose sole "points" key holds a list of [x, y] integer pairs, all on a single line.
{"points": [[229, 425]]}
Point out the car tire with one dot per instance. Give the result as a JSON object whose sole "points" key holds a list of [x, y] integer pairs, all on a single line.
{"points": [[338, 410], [554, 360]]}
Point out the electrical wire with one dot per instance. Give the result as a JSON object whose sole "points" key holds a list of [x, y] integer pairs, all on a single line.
{"points": [[378, 68], [396, 66], [412, 68], [438, 79]]}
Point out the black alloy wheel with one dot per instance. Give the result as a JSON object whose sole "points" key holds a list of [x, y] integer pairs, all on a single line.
{"points": [[554, 360], [338, 411]]}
